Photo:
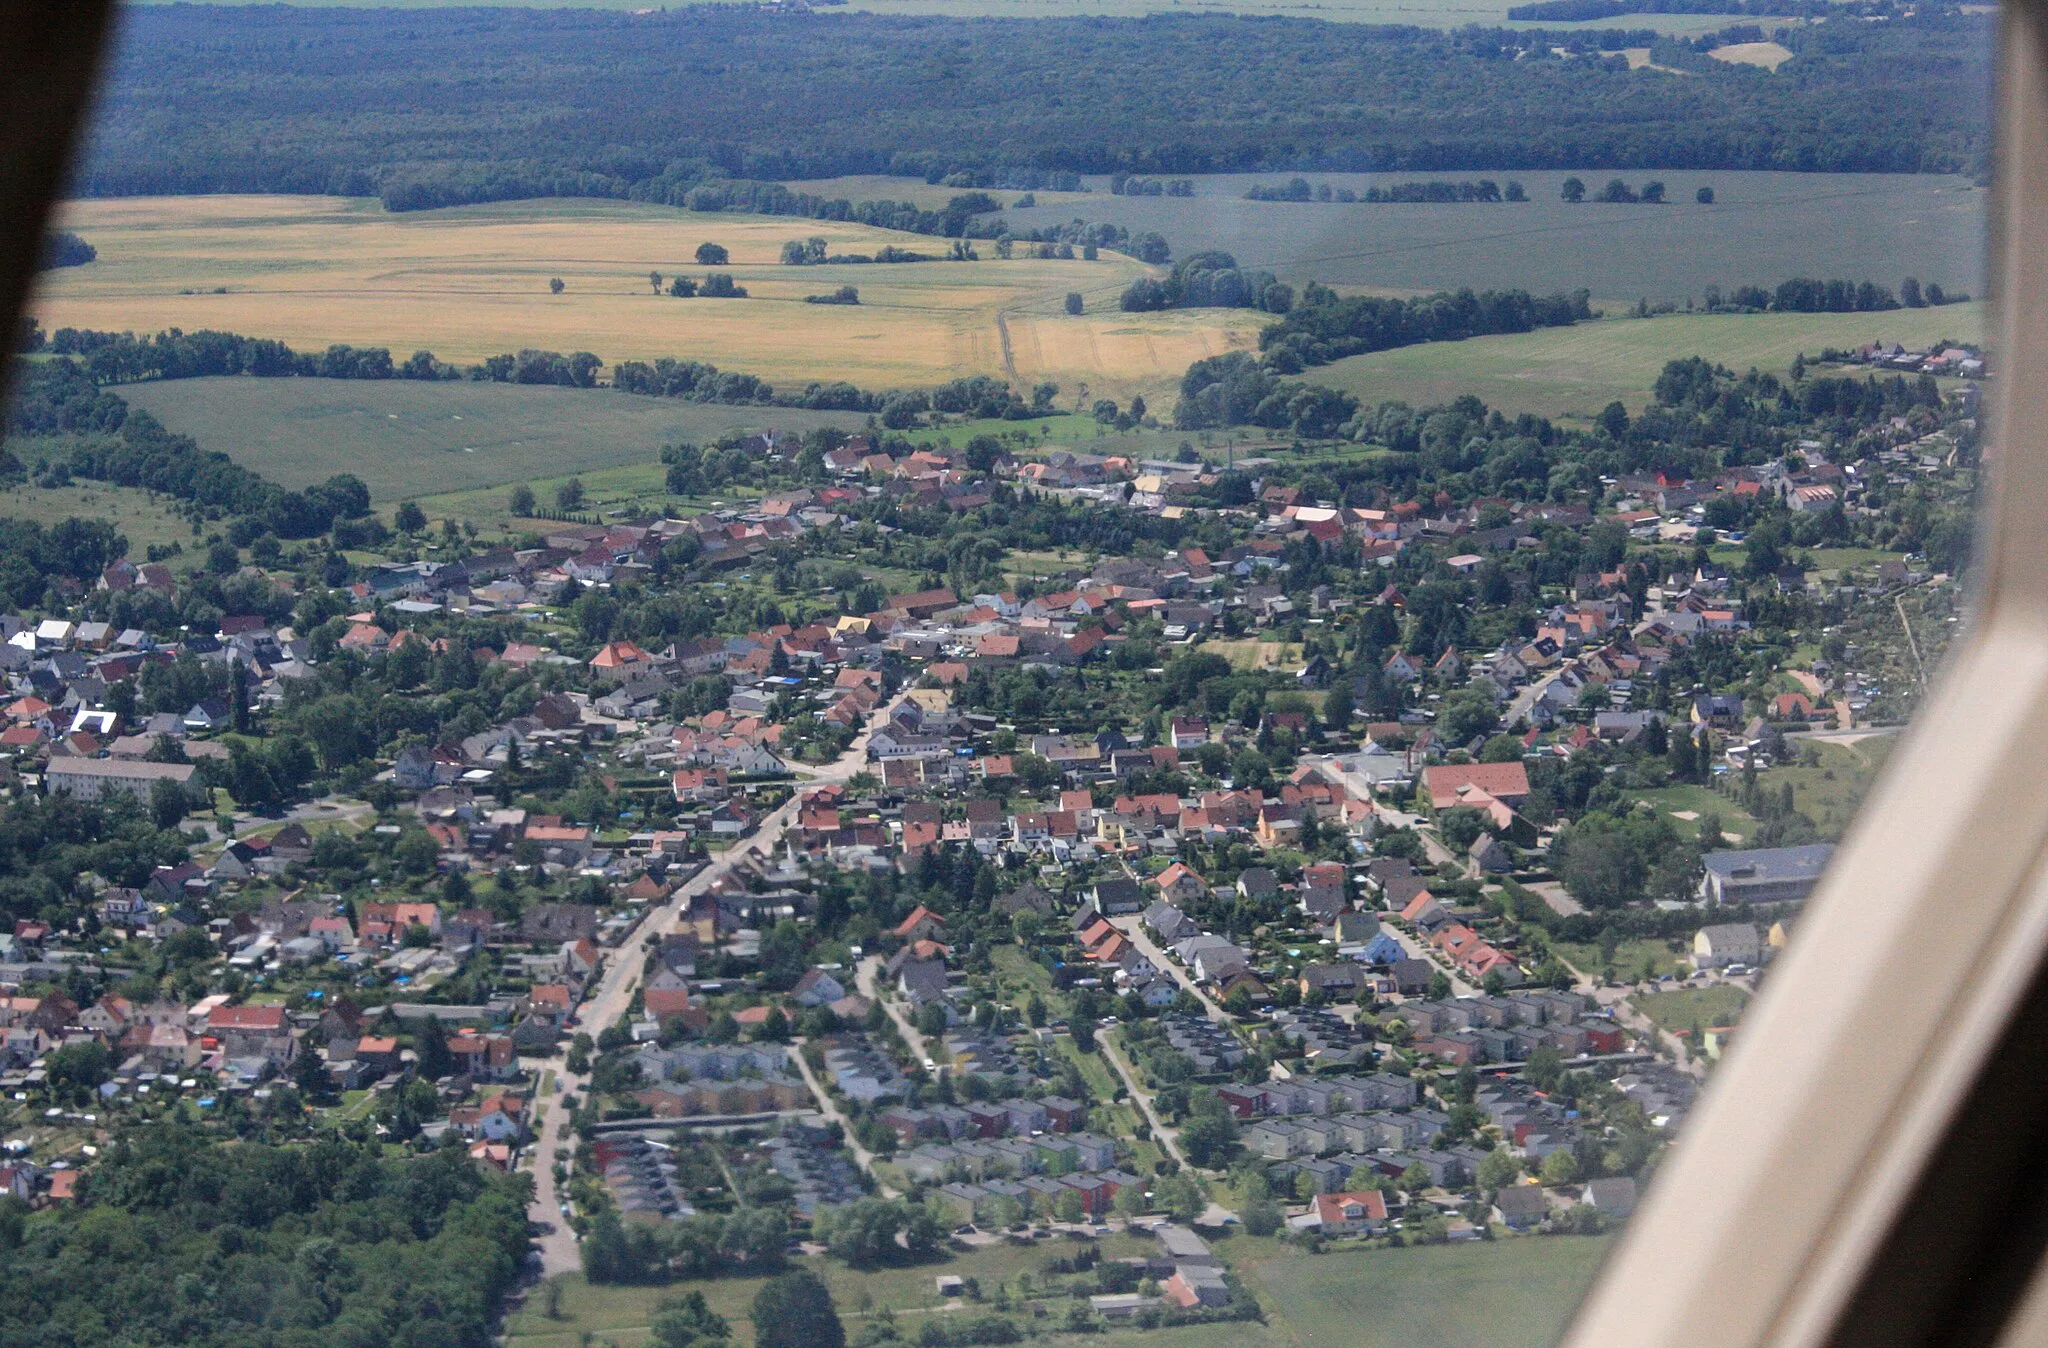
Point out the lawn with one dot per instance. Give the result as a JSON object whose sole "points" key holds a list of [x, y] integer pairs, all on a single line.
{"points": [[1671, 801], [1629, 957], [1251, 655], [1019, 975], [1101, 1080], [474, 281], [1501, 1294], [135, 514], [1681, 1009], [1576, 371]]}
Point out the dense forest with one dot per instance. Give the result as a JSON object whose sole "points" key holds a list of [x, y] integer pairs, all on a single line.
{"points": [[192, 1242], [436, 107]]}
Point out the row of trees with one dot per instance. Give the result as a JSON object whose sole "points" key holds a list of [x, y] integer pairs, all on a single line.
{"points": [[1484, 190]]}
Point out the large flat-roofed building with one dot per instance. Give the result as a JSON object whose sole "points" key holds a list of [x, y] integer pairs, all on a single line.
{"points": [[98, 778], [1763, 875]]}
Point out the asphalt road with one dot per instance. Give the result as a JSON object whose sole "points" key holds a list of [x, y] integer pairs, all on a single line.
{"points": [[621, 973]]}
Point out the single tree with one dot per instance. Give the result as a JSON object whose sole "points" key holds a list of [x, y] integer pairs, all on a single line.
{"points": [[569, 496], [555, 285], [168, 803], [1499, 1169], [1074, 303], [689, 1323], [654, 279], [1705, 196], [795, 1311], [410, 519], [712, 255], [1573, 190], [521, 500]]}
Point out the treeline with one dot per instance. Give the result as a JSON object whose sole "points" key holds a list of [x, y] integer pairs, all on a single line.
{"points": [[1326, 327], [1298, 189], [1160, 97], [65, 249], [1805, 295], [63, 396], [96, 435], [813, 252], [32, 555], [1236, 390], [1209, 280], [188, 1240], [124, 358], [1130, 185], [1592, 11]]}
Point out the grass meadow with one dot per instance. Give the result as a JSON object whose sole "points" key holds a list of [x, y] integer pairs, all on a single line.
{"points": [[407, 439], [471, 282], [1761, 228], [136, 515], [1505, 1294], [1830, 792], [1576, 371], [1679, 1010]]}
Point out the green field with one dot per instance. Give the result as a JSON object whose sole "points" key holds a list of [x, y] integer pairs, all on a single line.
{"points": [[1762, 228], [409, 439], [1578, 370], [1504, 1294], [143, 521], [1629, 957], [1830, 792], [621, 1314], [1699, 800], [1500, 1295], [1678, 1011]]}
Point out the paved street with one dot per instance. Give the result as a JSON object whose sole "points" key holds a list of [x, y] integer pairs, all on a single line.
{"points": [[867, 980], [1169, 1140], [1134, 927], [621, 973], [862, 1157]]}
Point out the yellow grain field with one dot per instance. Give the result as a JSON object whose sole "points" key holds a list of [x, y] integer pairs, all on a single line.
{"points": [[1769, 55], [474, 281]]}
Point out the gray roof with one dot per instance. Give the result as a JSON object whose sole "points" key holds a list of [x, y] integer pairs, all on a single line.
{"points": [[1732, 937], [1770, 863]]}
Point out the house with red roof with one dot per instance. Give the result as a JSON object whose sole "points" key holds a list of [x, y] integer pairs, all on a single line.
{"points": [[922, 923], [1448, 782], [1363, 1212]]}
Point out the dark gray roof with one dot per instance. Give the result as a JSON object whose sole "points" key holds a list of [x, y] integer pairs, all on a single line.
{"points": [[1767, 864]]}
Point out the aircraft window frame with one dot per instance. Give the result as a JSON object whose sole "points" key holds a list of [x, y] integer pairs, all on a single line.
{"points": [[1857, 1171]]}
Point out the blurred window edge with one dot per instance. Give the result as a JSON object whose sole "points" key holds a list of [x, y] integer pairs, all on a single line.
{"points": [[1865, 1167]]}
